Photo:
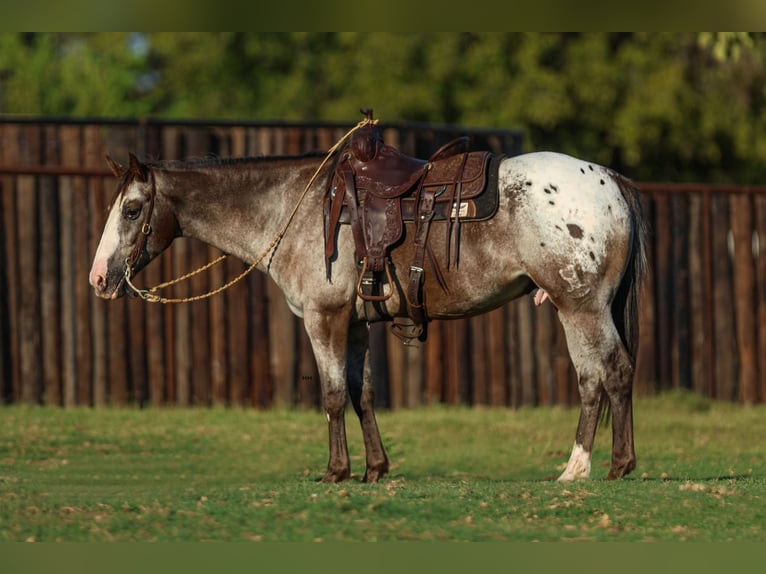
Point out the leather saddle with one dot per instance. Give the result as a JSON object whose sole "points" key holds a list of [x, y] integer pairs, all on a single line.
{"points": [[376, 189]]}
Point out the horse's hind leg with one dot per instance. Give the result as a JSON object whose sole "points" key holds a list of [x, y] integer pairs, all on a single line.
{"points": [[362, 397], [603, 367]]}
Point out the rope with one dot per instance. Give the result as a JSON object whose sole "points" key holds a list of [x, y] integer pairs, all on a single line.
{"points": [[150, 295]]}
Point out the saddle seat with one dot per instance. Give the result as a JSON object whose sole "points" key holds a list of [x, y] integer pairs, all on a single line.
{"points": [[375, 189]]}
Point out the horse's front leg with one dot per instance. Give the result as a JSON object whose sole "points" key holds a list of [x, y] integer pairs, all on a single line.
{"points": [[363, 398], [328, 333]]}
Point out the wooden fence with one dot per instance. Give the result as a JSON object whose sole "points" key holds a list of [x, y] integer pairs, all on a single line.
{"points": [[702, 315]]}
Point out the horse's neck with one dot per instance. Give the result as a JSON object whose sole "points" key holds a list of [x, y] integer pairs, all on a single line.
{"points": [[238, 208]]}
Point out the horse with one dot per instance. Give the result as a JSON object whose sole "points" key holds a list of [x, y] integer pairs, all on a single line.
{"points": [[566, 230]]}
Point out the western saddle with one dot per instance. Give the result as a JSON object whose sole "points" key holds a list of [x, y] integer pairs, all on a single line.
{"points": [[376, 188]]}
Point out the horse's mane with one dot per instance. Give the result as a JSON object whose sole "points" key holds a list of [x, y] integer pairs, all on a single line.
{"points": [[211, 161], [214, 161]]}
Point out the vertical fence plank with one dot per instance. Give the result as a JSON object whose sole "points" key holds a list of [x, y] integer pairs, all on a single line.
{"points": [[97, 206], [70, 157], [663, 293], [238, 341], [646, 361], [512, 350], [182, 327], [479, 377], [744, 289], [396, 375], [8, 341], [282, 336], [82, 294], [697, 374], [497, 357], [680, 357], [760, 259], [725, 385], [219, 364], [544, 344], [434, 364], [526, 356], [262, 389], [29, 301], [49, 274]]}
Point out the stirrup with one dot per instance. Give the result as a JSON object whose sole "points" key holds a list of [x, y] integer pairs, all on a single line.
{"points": [[364, 296]]}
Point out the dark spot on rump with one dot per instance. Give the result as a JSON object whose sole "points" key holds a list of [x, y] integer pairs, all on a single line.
{"points": [[559, 228], [609, 207], [552, 202], [602, 182], [546, 190], [575, 230], [582, 170], [542, 244], [590, 167], [528, 183], [554, 188], [592, 256]]}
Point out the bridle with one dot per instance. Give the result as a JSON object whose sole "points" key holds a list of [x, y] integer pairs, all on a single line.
{"points": [[146, 229]]}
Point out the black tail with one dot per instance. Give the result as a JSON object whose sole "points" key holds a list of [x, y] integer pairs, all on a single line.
{"points": [[625, 304]]}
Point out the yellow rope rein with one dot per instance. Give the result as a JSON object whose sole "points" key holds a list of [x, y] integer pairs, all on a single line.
{"points": [[150, 295]]}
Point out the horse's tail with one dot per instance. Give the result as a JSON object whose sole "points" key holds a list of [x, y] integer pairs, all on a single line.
{"points": [[625, 304]]}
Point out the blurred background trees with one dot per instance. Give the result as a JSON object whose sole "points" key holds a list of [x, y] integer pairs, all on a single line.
{"points": [[656, 106]]}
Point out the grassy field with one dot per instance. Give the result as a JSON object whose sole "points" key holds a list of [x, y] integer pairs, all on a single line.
{"points": [[458, 474]]}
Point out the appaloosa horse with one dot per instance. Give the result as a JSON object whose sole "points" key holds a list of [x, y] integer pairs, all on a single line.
{"points": [[564, 229]]}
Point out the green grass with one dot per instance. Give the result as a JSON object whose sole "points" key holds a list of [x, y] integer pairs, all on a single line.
{"points": [[457, 474]]}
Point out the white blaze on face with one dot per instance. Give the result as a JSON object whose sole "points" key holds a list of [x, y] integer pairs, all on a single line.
{"points": [[578, 466], [110, 241]]}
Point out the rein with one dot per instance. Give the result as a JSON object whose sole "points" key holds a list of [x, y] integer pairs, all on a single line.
{"points": [[150, 295]]}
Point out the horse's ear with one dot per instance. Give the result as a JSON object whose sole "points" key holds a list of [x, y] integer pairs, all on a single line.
{"points": [[117, 169], [138, 169]]}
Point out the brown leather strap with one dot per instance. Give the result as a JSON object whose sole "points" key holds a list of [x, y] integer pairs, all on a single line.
{"points": [[415, 306], [456, 203], [146, 227], [336, 205], [351, 204]]}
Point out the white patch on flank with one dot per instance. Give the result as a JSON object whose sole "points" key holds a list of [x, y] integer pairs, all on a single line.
{"points": [[569, 206], [578, 466]]}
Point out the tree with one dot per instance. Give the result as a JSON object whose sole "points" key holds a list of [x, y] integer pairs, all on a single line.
{"points": [[662, 106]]}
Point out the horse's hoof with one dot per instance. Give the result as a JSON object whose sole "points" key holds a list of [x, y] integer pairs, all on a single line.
{"points": [[618, 471], [374, 475], [336, 476]]}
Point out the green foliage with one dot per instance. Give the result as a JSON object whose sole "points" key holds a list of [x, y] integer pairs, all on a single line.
{"points": [[458, 474], [661, 106]]}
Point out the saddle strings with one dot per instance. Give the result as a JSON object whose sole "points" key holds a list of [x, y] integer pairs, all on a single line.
{"points": [[150, 295]]}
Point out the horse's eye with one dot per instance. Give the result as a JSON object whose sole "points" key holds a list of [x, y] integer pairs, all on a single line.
{"points": [[131, 211]]}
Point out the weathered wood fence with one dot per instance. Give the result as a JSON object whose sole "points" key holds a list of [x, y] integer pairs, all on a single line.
{"points": [[703, 314]]}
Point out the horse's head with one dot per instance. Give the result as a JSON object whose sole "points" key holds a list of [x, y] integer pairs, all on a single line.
{"points": [[140, 225]]}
